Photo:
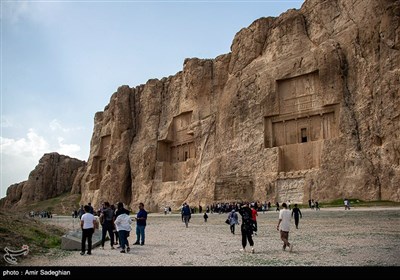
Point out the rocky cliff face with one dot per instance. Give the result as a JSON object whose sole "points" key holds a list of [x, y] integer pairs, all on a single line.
{"points": [[53, 176], [305, 106]]}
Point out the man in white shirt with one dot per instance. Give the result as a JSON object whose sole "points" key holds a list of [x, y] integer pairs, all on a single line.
{"points": [[284, 226]]}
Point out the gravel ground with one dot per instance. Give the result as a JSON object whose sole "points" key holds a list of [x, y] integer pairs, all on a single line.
{"points": [[329, 237]]}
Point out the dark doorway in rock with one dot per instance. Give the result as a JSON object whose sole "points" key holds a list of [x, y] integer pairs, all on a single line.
{"points": [[303, 135], [127, 188]]}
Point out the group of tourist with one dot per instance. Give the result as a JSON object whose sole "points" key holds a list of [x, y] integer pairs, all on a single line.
{"points": [[114, 221], [249, 223], [118, 222], [41, 214]]}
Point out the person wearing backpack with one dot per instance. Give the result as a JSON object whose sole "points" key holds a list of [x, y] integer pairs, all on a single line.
{"points": [[107, 223]]}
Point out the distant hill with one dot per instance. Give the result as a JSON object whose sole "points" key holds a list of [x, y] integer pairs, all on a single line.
{"points": [[53, 176]]}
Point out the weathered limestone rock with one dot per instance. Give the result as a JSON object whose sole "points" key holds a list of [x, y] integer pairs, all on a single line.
{"points": [[305, 106], [53, 176]]}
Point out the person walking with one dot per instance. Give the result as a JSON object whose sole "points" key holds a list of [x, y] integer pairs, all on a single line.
{"points": [[277, 206], [233, 220], [346, 204], [141, 219], [284, 226], [205, 216], [246, 227], [296, 213], [123, 225], [186, 214], [88, 224]]}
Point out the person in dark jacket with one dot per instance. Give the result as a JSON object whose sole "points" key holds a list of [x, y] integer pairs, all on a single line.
{"points": [[186, 213], [205, 216], [246, 227], [296, 213]]}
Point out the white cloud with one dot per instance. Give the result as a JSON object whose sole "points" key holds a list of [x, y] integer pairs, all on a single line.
{"points": [[35, 145], [71, 150], [56, 125], [15, 169], [20, 156], [32, 146]]}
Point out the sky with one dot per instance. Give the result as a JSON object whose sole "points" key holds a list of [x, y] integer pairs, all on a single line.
{"points": [[62, 60]]}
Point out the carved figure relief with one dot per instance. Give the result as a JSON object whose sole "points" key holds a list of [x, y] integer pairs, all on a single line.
{"points": [[98, 167]]}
